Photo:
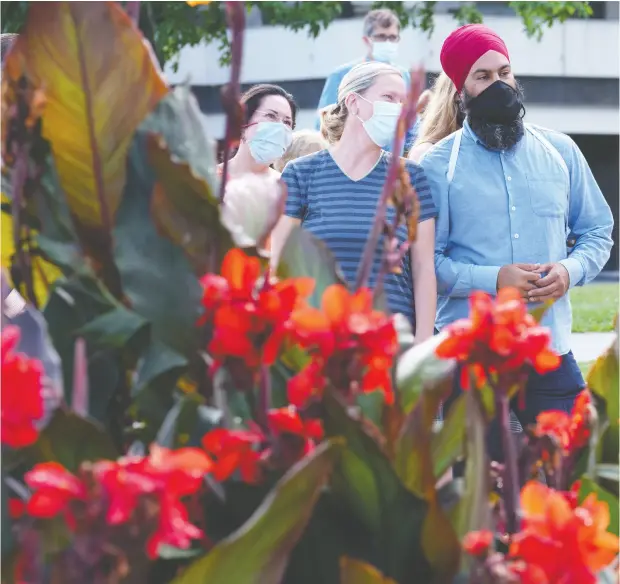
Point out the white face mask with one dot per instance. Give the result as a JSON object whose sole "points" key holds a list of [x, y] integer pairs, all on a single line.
{"points": [[386, 51], [381, 126], [270, 141]]}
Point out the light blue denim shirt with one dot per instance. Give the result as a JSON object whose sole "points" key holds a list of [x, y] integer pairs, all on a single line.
{"points": [[329, 96], [516, 206]]}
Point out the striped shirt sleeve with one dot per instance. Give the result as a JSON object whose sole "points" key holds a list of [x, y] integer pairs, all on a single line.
{"points": [[296, 201], [428, 209]]}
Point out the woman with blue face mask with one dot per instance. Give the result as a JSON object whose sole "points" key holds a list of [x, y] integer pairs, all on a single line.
{"points": [[334, 193], [269, 120]]}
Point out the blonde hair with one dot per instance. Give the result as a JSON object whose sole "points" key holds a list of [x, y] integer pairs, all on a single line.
{"points": [[357, 80], [441, 116], [304, 142]]}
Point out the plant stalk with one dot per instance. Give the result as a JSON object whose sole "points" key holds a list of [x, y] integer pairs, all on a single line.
{"points": [[510, 487], [406, 119], [235, 15], [264, 395]]}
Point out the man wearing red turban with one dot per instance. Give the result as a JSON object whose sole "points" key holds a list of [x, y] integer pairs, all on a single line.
{"points": [[508, 194]]}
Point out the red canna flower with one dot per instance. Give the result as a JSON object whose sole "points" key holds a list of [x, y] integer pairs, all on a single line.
{"points": [[499, 338], [234, 450], [22, 402], [173, 529], [17, 508], [477, 543], [250, 320], [296, 436], [569, 544], [54, 489], [351, 346], [571, 431]]}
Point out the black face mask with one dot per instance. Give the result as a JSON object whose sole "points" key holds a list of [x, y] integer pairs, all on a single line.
{"points": [[498, 103]]}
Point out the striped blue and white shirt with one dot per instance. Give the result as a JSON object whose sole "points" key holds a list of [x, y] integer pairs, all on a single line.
{"points": [[340, 212]]}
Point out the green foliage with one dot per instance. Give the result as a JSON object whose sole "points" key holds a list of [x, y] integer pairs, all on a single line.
{"points": [[172, 25], [258, 552]]}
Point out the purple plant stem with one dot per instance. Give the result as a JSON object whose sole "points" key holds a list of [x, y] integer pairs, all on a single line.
{"points": [[133, 11], [406, 119], [79, 396], [264, 395], [235, 15], [510, 486]]}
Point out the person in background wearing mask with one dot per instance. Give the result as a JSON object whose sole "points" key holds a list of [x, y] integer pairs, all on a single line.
{"points": [[270, 114], [334, 193], [508, 192], [304, 142], [381, 37]]}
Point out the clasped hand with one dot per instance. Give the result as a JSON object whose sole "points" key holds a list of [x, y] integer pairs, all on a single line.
{"points": [[529, 280]]}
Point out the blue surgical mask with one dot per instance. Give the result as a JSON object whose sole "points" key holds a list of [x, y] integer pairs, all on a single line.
{"points": [[385, 51], [381, 126], [270, 141]]}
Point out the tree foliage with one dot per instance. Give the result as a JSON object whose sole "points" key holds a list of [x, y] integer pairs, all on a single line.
{"points": [[172, 25]]}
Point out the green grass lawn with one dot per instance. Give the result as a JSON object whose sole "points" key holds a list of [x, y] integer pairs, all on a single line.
{"points": [[594, 307]]}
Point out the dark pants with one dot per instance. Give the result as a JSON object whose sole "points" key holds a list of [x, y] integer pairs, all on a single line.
{"points": [[556, 390]]}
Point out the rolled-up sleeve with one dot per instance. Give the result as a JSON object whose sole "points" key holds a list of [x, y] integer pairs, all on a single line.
{"points": [[589, 219]]}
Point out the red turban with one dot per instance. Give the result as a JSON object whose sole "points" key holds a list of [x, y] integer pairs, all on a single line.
{"points": [[464, 46]]}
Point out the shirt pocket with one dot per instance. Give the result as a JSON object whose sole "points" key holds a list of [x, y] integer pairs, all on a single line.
{"points": [[548, 196]]}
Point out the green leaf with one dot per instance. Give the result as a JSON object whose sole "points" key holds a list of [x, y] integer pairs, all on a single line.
{"points": [[189, 418], [419, 366], [539, 311], [447, 443], [184, 204], [156, 378], [305, 255], [604, 380], [589, 486], [356, 572], [365, 483], [414, 466], [258, 551], [156, 276], [117, 328], [472, 512], [71, 440], [72, 304]]}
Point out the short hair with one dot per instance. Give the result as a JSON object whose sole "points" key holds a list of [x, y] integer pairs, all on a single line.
{"points": [[382, 17], [253, 97], [304, 142], [6, 42]]}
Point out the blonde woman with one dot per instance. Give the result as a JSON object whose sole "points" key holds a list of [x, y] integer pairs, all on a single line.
{"points": [[334, 193], [441, 117], [304, 142]]}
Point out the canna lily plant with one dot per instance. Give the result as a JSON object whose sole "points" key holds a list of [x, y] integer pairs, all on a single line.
{"points": [[175, 409]]}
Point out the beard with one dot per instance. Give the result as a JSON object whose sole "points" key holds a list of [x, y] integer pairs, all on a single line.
{"points": [[495, 136]]}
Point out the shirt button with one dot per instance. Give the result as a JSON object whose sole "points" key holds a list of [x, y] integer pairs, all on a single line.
{"points": [[516, 236], [508, 178], [513, 208]]}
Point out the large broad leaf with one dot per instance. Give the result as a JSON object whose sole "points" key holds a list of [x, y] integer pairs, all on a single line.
{"points": [[589, 486], [414, 466], [472, 512], [447, 442], [419, 366], [71, 440], [258, 552], [304, 255], [72, 305], [184, 204], [156, 276], [604, 380], [100, 82], [364, 482], [356, 572]]}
